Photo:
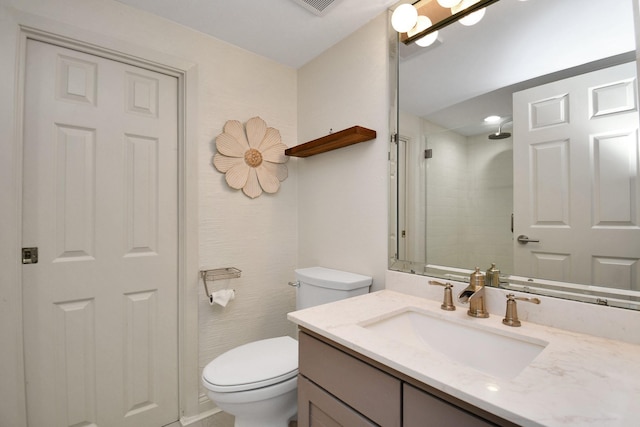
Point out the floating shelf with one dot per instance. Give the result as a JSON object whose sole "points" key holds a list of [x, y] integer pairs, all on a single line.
{"points": [[332, 141]]}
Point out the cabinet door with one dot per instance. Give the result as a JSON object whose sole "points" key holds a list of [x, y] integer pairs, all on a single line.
{"points": [[423, 410], [364, 388], [317, 408]]}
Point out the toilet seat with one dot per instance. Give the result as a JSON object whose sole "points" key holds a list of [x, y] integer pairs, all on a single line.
{"points": [[254, 365]]}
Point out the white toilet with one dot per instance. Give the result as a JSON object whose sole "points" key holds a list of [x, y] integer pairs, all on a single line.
{"points": [[257, 382]]}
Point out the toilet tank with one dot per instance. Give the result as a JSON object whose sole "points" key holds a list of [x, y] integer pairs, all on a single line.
{"points": [[319, 285]]}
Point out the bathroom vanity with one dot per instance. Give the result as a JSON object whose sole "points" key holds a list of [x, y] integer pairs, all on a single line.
{"points": [[334, 379], [367, 361]]}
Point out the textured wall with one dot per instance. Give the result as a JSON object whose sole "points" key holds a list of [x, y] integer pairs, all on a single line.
{"points": [[343, 193], [258, 236], [342, 201]]}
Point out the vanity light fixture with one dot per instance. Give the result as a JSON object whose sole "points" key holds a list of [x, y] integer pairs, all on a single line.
{"points": [[404, 18], [472, 18], [422, 24], [448, 3], [440, 16]]}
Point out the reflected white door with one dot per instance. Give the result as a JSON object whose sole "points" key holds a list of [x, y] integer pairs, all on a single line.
{"points": [[402, 166], [100, 203], [394, 200], [576, 184]]}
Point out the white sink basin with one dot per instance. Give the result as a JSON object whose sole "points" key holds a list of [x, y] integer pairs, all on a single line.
{"points": [[502, 354]]}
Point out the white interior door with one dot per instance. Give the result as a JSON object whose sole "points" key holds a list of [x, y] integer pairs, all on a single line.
{"points": [[402, 166], [100, 204], [576, 184], [394, 197]]}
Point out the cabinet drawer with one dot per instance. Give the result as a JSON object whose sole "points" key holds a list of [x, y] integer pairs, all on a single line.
{"points": [[361, 386], [423, 410]]}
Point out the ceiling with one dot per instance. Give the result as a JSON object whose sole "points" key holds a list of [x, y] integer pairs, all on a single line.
{"points": [[282, 30], [454, 83]]}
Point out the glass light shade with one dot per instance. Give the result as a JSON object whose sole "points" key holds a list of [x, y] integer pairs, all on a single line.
{"points": [[422, 24], [492, 119], [471, 19], [448, 3], [404, 18], [427, 40]]}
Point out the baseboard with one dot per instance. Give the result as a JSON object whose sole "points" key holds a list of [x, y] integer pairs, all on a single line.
{"points": [[196, 420]]}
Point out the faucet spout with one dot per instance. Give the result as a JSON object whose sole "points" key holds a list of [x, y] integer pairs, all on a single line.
{"points": [[465, 295], [474, 296]]}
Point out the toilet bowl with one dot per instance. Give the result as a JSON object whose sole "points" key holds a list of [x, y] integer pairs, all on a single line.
{"points": [[257, 382]]}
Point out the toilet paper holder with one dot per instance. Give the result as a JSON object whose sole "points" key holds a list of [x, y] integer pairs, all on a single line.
{"points": [[218, 274]]}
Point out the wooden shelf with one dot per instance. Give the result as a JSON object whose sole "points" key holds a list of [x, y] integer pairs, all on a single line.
{"points": [[332, 141]]}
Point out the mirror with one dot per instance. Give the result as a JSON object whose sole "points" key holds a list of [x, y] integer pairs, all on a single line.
{"points": [[463, 191]]}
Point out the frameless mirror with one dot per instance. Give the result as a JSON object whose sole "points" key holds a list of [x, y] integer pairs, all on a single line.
{"points": [[550, 191]]}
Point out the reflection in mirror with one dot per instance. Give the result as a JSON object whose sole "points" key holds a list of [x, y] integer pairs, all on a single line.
{"points": [[559, 164]]}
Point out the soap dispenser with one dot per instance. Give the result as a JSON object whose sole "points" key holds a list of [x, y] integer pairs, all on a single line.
{"points": [[493, 276]]}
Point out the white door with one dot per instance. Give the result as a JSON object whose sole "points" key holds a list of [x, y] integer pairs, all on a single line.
{"points": [[401, 176], [100, 204], [394, 202], [576, 183], [407, 177]]}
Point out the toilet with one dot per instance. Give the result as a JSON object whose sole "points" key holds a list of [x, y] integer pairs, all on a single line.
{"points": [[257, 382]]}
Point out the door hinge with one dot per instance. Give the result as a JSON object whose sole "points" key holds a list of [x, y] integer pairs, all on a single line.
{"points": [[394, 137], [29, 255], [428, 153]]}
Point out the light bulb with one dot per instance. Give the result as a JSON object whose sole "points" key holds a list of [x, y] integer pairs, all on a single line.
{"points": [[404, 18], [492, 119], [448, 3], [422, 24], [471, 19], [427, 40]]}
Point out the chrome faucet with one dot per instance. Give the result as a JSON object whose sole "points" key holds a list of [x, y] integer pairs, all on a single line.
{"points": [[474, 295]]}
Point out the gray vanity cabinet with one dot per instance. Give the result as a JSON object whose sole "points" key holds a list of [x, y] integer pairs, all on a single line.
{"points": [[338, 387], [421, 409], [322, 409], [365, 391]]}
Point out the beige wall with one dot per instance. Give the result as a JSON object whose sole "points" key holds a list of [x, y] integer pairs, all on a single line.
{"points": [[257, 236], [334, 214], [343, 193]]}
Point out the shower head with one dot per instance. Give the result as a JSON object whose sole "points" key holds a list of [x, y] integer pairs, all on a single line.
{"points": [[500, 134]]}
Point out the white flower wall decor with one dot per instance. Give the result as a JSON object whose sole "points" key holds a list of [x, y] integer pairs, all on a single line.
{"points": [[253, 161]]}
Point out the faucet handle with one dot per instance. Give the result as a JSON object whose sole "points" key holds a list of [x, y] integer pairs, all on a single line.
{"points": [[447, 304], [511, 317]]}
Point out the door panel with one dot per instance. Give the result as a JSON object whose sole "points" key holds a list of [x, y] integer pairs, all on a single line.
{"points": [[576, 181], [100, 203]]}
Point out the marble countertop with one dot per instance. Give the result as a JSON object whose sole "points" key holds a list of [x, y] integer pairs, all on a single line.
{"points": [[577, 380]]}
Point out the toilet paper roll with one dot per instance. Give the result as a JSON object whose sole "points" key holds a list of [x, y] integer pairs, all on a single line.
{"points": [[222, 297]]}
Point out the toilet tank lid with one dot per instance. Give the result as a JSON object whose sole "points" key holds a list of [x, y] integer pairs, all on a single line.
{"points": [[332, 279]]}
